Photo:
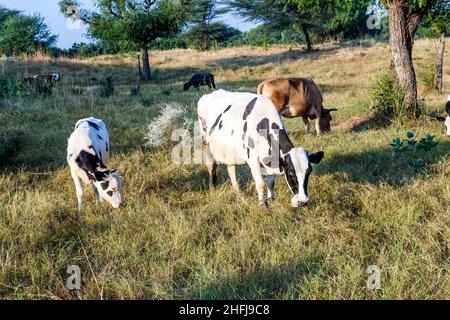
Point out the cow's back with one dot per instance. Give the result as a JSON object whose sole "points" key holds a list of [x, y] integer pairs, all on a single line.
{"points": [[232, 120], [301, 94], [90, 134]]}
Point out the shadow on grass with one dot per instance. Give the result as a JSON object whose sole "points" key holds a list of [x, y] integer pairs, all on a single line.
{"points": [[277, 282], [381, 165]]}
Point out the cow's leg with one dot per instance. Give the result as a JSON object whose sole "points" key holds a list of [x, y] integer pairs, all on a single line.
{"points": [[79, 189], [97, 195], [308, 125], [318, 131], [213, 82], [213, 169], [270, 187], [259, 183], [232, 175]]}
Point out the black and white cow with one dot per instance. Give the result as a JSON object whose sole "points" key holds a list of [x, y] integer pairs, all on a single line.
{"points": [[239, 128], [446, 119], [88, 155]]}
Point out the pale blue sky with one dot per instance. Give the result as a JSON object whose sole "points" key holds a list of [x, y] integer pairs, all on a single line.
{"points": [[67, 34]]}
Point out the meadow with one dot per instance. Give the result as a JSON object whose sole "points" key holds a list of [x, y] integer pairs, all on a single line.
{"points": [[175, 238]]}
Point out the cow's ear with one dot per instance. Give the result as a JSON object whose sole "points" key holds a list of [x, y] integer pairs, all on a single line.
{"points": [[316, 157], [439, 118]]}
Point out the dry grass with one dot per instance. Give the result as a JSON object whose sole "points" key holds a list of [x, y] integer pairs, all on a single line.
{"points": [[177, 239]]}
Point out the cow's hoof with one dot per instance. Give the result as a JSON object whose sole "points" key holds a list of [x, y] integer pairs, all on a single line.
{"points": [[263, 204]]}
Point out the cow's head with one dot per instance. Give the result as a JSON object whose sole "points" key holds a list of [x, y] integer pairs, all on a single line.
{"points": [[325, 119], [297, 168], [110, 188], [186, 86]]}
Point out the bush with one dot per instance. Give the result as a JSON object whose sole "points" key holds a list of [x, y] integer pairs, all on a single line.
{"points": [[427, 76], [387, 99], [9, 87], [107, 87], [159, 129], [414, 151], [10, 145]]}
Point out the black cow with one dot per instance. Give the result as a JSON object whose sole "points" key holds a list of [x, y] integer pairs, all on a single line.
{"points": [[201, 79]]}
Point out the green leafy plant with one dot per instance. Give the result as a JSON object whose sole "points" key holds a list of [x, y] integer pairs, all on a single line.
{"points": [[413, 150]]}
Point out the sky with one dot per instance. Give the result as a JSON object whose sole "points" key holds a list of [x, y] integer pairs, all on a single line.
{"points": [[69, 33]]}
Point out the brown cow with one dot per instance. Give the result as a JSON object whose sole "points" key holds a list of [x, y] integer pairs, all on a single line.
{"points": [[298, 97]]}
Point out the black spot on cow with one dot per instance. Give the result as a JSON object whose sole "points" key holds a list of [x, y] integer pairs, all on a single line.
{"points": [[107, 147], [447, 107], [90, 164], [248, 153], [105, 185], [93, 125], [100, 154], [251, 143], [244, 130], [275, 126], [305, 182], [249, 108], [110, 193], [291, 175], [100, 137], [263, 127], [215, 124], [232, 132], [227, 109], [220, 124], [284, 142]]}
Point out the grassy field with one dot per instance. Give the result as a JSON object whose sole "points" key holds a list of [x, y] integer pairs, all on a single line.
{"points": [[177, 239]]}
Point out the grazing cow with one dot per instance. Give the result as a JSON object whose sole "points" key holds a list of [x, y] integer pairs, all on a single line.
{"points": [[88, 155], [446, 119], [298, 97], [239, 128], [201, 79]]}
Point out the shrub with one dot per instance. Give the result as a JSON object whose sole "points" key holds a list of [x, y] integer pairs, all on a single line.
{"points": [[427, 76], [9, 87], [11, 143], [413, 151], [387, 99], [107, 87], [160, 128]]}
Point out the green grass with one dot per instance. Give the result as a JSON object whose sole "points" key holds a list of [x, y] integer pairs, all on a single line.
{"points": [[177, 239]]}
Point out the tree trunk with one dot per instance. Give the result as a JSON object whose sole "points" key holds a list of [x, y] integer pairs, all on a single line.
{"points": [[146, 73], [401, 48], [307, 38], [440, 64]]}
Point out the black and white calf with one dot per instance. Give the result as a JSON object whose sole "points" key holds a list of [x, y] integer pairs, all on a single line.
{"points": [[88, 155], [239, 128]]}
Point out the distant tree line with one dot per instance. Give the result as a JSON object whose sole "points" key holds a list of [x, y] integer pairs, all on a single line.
{"points": [[145, 25]]}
